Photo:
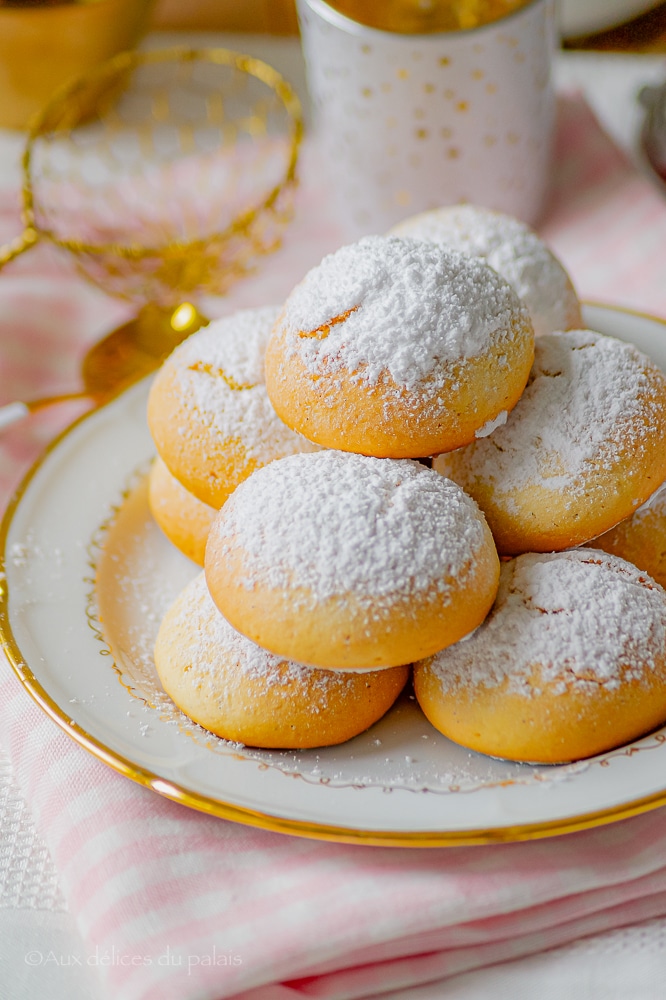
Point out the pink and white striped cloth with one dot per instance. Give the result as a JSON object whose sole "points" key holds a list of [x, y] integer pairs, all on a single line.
{"points": [[173, 904]]}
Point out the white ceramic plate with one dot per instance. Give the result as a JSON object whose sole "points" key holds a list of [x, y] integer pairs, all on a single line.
{"points": [[585, 17], [82, 515]]}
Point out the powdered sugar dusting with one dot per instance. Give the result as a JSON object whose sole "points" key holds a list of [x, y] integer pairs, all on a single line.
{"points": [[655, 504], [492, 425], [513, 250], [588, 395], [214, 643], [587, 619], [221, 376], [397, 306], [338, 523]]}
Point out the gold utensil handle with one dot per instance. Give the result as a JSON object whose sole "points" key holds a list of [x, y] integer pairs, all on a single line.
{"points": [[11, 413], [9, 251]]}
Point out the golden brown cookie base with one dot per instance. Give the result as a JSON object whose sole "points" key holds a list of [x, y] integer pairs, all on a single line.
{"points": [[208, 466], [640, 540], [184, 520], [536, 519], [340, 411], [548, 728], [345, 632], [277, 706]]}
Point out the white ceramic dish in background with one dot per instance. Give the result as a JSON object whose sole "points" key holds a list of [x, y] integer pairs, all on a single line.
{"points": [[113, 706], [585, 17]]}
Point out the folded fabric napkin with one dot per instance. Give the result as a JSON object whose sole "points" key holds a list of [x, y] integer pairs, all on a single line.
{"points": [[174, 904]]}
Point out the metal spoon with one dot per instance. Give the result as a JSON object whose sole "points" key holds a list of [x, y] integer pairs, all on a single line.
{"points": [[124, 357]]}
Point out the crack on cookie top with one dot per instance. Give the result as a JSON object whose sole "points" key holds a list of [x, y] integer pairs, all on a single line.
{"points": [[418, 309]]}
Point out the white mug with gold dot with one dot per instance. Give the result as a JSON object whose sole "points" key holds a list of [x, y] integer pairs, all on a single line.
{"points": [[411, 121]]}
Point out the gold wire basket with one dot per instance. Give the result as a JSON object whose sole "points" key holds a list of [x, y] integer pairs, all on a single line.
{"points": [[167, 175]]}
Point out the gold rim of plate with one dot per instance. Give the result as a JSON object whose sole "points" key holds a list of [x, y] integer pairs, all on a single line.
{"points": [[251, 817]]}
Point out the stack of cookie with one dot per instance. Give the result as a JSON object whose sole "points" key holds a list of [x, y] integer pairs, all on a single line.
{"points": [[338, 557], [213, 426]]}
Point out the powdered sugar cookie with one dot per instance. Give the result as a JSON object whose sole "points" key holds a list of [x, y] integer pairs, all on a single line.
{"points": [[570, 662], [342, 560], [514, 251], [208, 411], [583, 448], [641, 538], [184, 520], [398, 348], [240, 692]]}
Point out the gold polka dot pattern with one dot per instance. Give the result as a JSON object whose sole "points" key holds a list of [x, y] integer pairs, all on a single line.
{"points": [[417, 121]]}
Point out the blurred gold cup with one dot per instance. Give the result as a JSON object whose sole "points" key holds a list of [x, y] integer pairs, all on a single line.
{"points": [[44, 45]]}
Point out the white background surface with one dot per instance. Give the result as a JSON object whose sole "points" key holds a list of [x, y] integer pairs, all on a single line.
{"points": [[34, 923]]}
